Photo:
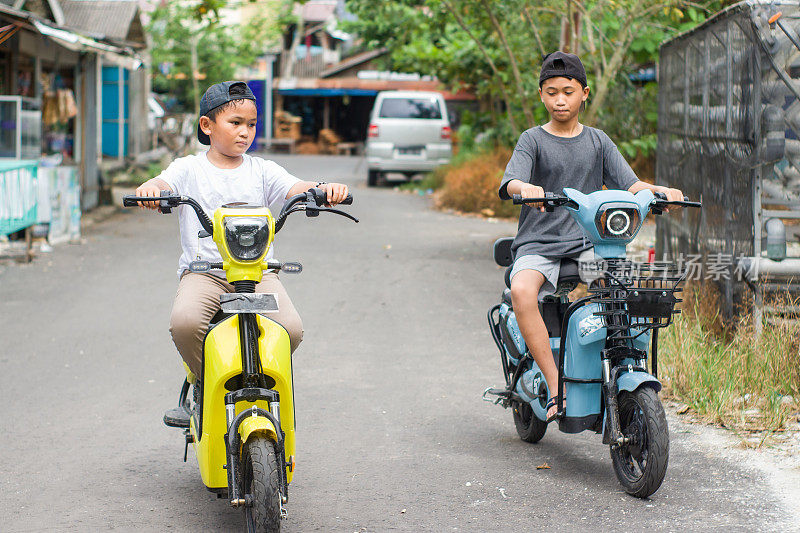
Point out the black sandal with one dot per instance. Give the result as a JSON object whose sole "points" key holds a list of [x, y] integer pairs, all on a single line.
{"points": [[552, 403]]}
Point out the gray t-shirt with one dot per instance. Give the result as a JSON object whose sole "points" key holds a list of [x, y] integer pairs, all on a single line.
{"points": [[585, 162]]}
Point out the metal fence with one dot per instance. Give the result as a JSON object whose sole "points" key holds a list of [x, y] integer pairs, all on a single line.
{"points": [[729, 133]]}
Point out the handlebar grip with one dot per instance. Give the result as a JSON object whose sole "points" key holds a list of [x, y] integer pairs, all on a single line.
{"points": [[129, 201], [517, 199], [321, 197]]}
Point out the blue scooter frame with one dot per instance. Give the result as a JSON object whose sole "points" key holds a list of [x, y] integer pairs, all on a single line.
{"points": [[601, 343]]}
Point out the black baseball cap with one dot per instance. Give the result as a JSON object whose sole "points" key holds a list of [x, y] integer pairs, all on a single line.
{"points": [[564, 65], [220, 94]]}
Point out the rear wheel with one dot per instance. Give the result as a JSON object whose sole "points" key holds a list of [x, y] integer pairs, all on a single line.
{"points": [[372, 178], [529, 427], [261, 486], [641, 464]]}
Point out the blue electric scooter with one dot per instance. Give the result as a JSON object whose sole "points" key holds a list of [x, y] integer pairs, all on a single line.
{"points": [[601, 343]]}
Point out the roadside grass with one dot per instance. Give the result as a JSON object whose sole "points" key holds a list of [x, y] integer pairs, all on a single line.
{"points": [[430, 181], [746, 382], [135, 175]]}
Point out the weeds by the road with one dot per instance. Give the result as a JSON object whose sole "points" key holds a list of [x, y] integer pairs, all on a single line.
{"points": [[747, 382], [471, 184], [135, 175]]}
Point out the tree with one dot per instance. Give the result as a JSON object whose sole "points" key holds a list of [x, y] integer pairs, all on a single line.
{"points": [[495, 46], [192, 43]]}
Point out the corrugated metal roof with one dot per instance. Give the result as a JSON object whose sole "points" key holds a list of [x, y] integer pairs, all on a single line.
{"points": [[352, 62], [110, 19]]}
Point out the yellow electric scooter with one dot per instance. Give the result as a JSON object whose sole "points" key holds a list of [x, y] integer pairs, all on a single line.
{"points": [[242, 415]]}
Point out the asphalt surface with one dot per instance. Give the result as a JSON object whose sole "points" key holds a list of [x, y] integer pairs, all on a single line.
{"points": [[392, 433]]}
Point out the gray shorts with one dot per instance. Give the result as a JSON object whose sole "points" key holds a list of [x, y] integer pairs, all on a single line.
{"points": [[549, 268]]}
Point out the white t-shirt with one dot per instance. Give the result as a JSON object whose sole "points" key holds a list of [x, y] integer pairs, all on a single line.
{"points": [[256, 181]]}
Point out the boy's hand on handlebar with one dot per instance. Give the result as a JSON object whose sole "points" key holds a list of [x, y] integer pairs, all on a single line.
{"points": [[673, 195], [336, 193], [149, 190], [528, 190]]}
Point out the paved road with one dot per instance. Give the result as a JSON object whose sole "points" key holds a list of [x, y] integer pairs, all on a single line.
{"points": [[392, 435]]}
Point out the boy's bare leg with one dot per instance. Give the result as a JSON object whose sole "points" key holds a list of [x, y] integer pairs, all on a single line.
{"points": [[525, 296]]}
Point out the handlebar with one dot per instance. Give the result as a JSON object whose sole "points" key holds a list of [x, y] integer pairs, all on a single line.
{"points": [[314, 199], [549, 201], [661, 200], [167, 201]]}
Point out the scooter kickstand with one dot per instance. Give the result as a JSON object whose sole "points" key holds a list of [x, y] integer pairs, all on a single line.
{"points": [[189, 439]]}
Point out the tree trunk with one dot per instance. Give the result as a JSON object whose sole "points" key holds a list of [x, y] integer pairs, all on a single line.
{"points": [[506, 97], [526, 108], [603, 83]]}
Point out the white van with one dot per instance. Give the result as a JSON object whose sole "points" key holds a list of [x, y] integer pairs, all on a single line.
{"points": [[409, 132]]}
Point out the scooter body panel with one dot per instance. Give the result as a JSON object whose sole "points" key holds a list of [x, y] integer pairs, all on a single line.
{"points": [[513, 343], [223, 362], [585, 337]]}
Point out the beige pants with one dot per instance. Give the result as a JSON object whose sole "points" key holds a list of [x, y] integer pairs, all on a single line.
{"points": [[197, 301]]}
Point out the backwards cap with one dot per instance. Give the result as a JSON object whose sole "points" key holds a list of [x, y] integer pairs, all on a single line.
{"points": [[220, 94], [561, 64]]}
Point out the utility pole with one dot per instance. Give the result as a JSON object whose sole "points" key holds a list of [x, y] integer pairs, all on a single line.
{"points": [[193, 41], [269, 59]]}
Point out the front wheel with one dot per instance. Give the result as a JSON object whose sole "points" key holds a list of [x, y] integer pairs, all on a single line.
{"points": [[641, 464], [261, 486]]}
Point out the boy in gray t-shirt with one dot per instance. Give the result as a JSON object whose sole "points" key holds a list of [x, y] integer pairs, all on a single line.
{"points": [[562, 153]]}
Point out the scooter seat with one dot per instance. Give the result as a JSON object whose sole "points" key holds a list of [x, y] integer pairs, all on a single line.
{"points": [[568, 274]]}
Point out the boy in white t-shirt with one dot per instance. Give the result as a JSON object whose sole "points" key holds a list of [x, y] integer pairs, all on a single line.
{"points": [[224, 174]]}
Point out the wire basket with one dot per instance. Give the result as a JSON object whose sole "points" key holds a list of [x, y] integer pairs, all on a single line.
{"points": [[639, 295]]}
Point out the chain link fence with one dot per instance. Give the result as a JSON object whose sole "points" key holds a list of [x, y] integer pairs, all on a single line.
{"points": [[729, 134]]}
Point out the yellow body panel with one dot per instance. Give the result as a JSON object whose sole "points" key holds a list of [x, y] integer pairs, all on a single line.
{"points": [[223, 361]]}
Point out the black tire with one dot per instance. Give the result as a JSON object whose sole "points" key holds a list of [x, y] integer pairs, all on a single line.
{"points": [[261, 485], [640, 465], [529, 427], [372, 178]]}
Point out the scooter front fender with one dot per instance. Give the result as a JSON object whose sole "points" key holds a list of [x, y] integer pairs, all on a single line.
{"points": [[630, 381], [257, 425]]}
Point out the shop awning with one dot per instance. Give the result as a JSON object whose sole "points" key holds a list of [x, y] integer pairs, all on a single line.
{"points": [[79, 43], [322, 91]]}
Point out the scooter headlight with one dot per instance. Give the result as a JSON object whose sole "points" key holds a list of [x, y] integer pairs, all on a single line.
{"points": [[618, 222], [246, 237]]}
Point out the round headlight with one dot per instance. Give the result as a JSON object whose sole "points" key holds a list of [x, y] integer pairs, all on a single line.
{"points": [[618, 222], [247, 237]]}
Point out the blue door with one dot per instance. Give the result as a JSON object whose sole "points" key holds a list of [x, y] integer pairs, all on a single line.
{"points": [[115, 111]]}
